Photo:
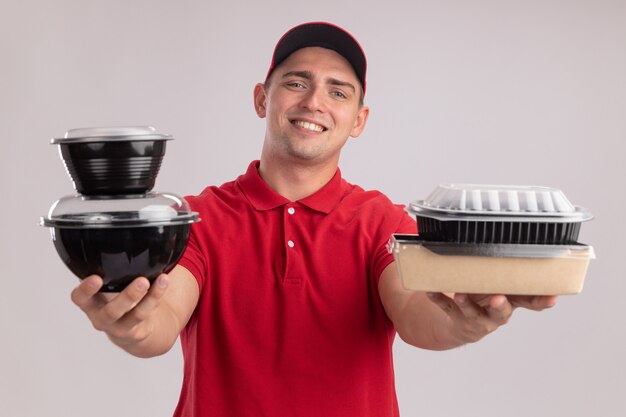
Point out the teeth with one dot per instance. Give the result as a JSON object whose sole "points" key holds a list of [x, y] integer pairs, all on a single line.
{"points": [[308, 126]]}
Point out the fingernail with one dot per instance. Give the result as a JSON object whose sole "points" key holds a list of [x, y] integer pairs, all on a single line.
{"points": [[499, 302], [141, 285], [460, 298], [163, 281], [92, 284]]}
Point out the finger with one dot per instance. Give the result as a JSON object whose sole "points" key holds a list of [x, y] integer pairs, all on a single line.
{"points": [[124, 302], [149, 303], [499, 309], [470, 309], [445, 303], [536, 302], [493, 307], [84, 295]]}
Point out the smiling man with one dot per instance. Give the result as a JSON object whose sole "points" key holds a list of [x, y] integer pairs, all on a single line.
{"points": [[286, 299], [312, 104]]}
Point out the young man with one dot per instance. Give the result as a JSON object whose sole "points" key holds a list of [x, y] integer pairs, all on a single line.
{"points": [[286, 300]]}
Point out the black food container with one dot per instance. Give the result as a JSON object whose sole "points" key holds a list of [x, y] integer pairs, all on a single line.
{"points": [[112, 160], [470, 213], [116, 227], [120, 238]]}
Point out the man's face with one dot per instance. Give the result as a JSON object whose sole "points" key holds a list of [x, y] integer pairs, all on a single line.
{"points": [[312, 105]]}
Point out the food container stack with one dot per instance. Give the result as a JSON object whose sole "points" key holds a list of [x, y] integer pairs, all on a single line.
{"points": [[116, 226], [489, 239]]}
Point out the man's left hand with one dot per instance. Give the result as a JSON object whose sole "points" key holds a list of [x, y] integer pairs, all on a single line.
{"points": [[473, 316]]}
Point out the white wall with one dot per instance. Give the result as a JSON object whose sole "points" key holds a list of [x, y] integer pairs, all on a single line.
{"points": [[507, 92]]}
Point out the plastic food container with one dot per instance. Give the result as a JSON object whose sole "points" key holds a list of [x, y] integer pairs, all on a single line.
{"points": [[473, 213], [112, 160], [121, 237], [523, 269]]}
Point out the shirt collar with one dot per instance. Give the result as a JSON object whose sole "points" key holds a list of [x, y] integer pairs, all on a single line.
{"points": [[262, 197]]}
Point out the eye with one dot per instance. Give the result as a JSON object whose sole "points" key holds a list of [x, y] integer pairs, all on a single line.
{"points": [[295, 84], [339, 94]]}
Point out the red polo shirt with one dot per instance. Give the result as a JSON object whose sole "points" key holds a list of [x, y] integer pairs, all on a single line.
{"points": [[289, 321]]}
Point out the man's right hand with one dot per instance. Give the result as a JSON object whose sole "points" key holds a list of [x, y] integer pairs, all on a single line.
{"points": [[143, 319], [125, 316]]}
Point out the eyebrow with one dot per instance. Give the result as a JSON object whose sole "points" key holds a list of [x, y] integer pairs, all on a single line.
{"points": [[308, 76]]}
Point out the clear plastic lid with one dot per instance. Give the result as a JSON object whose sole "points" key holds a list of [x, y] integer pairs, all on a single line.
{"points": [[505, 250], [475, 201], [150, 209], [111, 134]]}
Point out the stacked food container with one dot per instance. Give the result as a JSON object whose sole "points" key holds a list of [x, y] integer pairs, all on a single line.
{"points": [[116, 226], [494, 240]]}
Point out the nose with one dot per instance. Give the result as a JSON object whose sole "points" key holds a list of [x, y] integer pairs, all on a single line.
{"points": [[313, 100]]}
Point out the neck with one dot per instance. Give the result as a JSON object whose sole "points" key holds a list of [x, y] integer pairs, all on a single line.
{"points": [[295, 181]]}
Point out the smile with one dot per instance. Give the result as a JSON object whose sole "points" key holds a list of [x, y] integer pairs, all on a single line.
{"points": [[308, 125]]}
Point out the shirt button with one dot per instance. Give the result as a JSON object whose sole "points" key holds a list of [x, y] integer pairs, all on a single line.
{"points": [[290, 243], [291, 210]]}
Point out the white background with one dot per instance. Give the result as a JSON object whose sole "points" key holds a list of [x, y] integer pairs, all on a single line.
{"points": [[505, 92]]}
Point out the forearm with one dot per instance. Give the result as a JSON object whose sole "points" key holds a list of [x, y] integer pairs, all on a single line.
{"points": [[421, 323], [418, 321]]}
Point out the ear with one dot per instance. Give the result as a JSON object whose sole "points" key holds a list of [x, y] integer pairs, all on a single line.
{"points": [[260, 99], [359, 122]]}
